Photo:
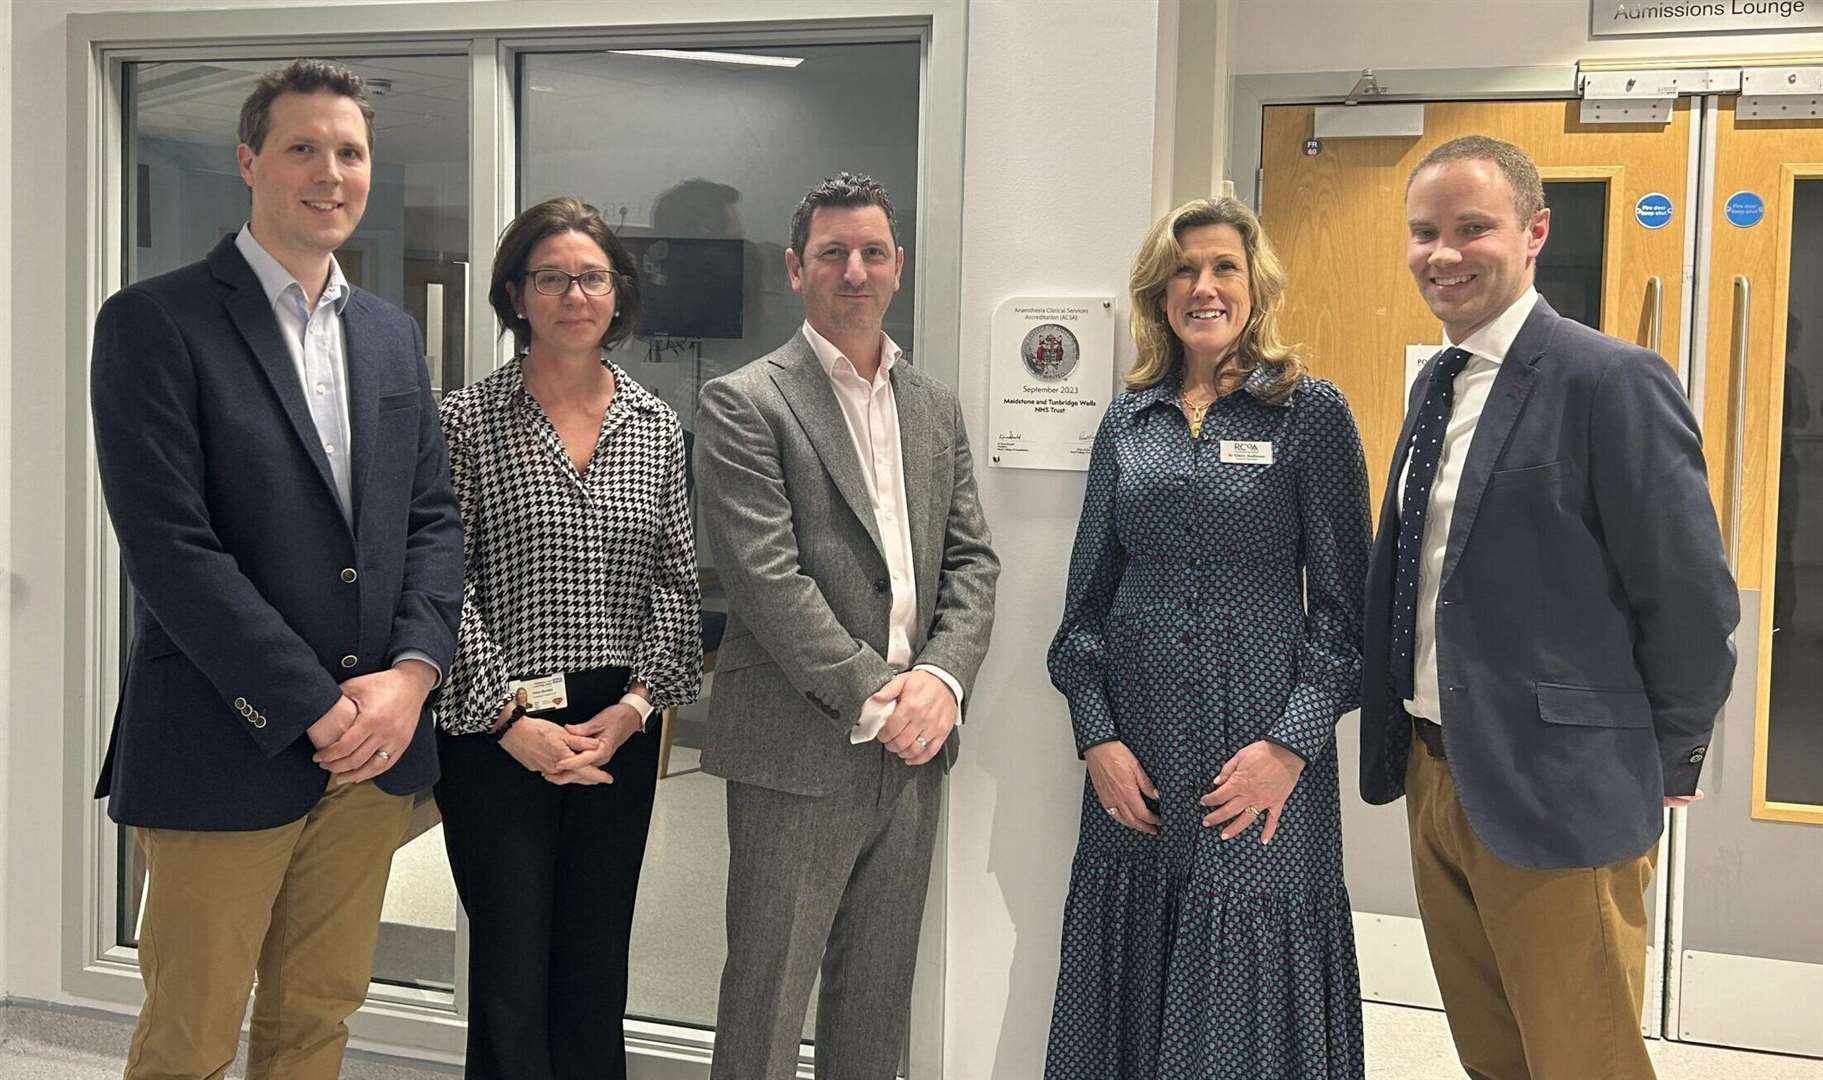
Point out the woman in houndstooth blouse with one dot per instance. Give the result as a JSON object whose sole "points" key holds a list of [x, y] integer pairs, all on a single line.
{"points": [[579, 618]]}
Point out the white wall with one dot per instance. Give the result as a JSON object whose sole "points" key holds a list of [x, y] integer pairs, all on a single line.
{"points": [[1275, 36], [6, 532], [1058, 191]]}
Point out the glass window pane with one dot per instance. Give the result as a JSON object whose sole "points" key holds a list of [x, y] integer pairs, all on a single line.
{"points": [[1794, 728], [1570, 267], [184, 193], [698, 165]]}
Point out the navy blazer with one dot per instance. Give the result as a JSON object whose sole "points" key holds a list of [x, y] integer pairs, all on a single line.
{"points": [[254, 596], [1585, 608]]}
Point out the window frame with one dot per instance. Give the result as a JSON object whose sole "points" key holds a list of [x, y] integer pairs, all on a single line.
{"points": [[494, 34]]}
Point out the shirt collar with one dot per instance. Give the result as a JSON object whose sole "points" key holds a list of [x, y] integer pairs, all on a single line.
{"points": [[1492, 341], [829, 356], [277, 280], [629, 394]]}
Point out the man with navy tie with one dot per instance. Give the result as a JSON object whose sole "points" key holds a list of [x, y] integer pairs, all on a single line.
{"points": [[1547, 636]]}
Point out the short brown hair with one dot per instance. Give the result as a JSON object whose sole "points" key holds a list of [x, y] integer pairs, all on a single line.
{"points": [[1161, 354], [844, 189], [565, 213], [299, 77], [1515, 164]]}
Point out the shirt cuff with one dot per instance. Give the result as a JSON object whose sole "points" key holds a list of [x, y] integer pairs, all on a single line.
{"points": [[948, 680], [414, 654], [874, 714]]}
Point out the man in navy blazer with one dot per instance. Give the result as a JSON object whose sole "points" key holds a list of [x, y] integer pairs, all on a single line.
{"points": [[1547, 636], [276, 474]]}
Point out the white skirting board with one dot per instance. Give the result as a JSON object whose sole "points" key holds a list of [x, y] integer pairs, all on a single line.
{"points": [[1395, 967], [1752, 1002]]}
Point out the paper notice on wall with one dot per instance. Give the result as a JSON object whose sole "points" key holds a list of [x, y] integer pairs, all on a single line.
{"points": [[1052, 375], [1416, 356]]}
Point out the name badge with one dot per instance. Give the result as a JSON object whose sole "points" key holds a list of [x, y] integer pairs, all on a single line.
{"points": [[544, 692], [1237, 452]]}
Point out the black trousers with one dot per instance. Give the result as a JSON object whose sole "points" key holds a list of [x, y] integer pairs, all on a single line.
{"points": [[548, 875]]}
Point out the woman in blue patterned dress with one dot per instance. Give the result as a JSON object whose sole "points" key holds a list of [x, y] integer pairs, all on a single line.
{"points": [[1211, 638]]}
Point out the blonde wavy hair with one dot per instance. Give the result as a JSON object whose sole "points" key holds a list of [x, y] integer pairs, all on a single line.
{"points": [[1160, 352]]}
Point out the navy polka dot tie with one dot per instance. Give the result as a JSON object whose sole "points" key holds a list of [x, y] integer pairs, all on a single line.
{"points": [[1414, 504]]}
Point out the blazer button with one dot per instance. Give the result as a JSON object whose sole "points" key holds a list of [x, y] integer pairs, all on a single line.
{"points": [[349, 575], [881, 585], [350, 660], [258, 720], [246, 709], [1697, 755], [241, 704]]}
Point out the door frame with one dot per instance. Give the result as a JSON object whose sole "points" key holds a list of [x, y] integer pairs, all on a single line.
{"points": [[1408, 974]]}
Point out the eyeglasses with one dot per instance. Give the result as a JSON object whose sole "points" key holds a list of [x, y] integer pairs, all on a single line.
{"points": [[593, 282]]}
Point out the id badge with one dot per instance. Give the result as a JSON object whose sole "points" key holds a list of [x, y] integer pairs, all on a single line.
{"points": [[542, 693], [1241, 452]]}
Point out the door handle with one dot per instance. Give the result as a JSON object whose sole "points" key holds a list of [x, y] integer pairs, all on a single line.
{"points": [[1655, 307], [1737, 413], [433, 336]]}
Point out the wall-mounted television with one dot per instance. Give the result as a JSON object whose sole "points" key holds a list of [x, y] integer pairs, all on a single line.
{"points": [[690, 287]]}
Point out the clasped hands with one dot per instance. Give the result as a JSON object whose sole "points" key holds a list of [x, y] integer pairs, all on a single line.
{"points": [[571, 753], [1253, 785], [923, 715], [371, 725]]}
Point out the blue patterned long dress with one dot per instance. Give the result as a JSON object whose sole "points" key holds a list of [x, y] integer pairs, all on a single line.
{"points": [[1212, 604]]}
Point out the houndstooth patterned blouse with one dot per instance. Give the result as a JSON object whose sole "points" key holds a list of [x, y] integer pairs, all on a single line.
{"points": [[567, 572]]}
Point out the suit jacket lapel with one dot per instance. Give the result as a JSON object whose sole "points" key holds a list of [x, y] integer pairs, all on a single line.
{"points": [[1506, 400], [1389, 503], [363, 400], [813, 401], [251, 312], [917, 444]]}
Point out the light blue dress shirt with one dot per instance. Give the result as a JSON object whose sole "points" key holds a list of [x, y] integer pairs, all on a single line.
{"points": [[319, 350]]}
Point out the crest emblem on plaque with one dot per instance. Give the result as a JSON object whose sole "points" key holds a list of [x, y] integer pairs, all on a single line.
{"points": [[1050, 351]]}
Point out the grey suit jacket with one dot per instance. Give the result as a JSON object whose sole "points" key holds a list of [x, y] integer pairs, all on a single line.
{"points": [[1585, 607], [791, 528]]}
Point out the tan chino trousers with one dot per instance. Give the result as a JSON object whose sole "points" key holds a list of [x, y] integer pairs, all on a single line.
{"points": [[1542, 971], [299, 903]]}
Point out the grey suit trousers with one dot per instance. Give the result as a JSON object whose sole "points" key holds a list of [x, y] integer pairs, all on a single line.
{"points": [[835, 882]]}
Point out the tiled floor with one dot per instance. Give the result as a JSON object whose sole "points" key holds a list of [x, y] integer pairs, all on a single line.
{"points": [[1402, 1044]]}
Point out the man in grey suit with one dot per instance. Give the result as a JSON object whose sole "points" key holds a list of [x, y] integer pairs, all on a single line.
{"points": [[840, 508], [1546, 643]]}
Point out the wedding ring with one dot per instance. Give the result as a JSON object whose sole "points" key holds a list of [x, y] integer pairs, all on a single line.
{"points": [[922, 742], [383, 755], [1254, 810]]}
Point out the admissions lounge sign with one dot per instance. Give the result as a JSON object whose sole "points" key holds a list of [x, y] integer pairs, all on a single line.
{"points": [[1615, 18]]}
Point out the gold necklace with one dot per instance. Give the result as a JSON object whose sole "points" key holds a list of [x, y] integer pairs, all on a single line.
{"points": [[1194, 412]]}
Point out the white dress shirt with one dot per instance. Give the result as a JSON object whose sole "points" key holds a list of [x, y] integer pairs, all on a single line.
{"points": [[872, 415], [1488, 347], [317, 340]]}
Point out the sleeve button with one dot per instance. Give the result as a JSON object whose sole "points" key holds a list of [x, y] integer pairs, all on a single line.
{"points": [[349, 575], [350, 660]]}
